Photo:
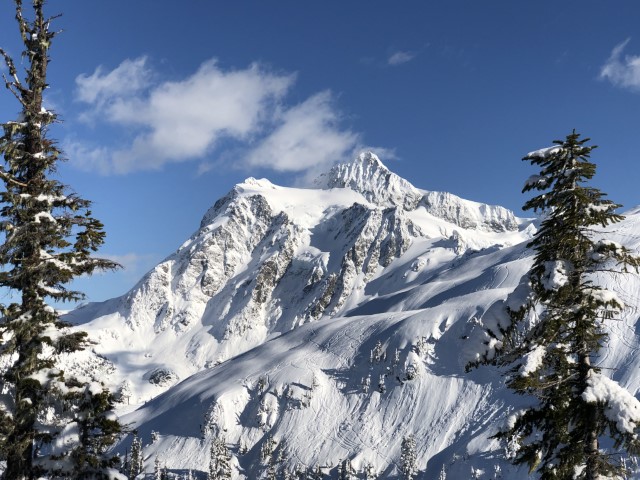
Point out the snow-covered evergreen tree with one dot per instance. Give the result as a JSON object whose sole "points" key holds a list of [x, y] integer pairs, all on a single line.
{"points": [[558, 334], [48, 238], [157, 469], [272, 470], [136, 457], [219, 460], [408, 459], [98, 429], [346, 471], [443, 473], [370, 472], [267, 449], [316, 473]]}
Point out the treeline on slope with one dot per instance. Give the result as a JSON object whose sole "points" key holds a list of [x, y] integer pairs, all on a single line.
{"points": [[274, 464]]}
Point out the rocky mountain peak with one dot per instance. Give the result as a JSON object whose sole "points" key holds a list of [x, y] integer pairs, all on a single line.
{"points": [[367, 175], [370, 177]]}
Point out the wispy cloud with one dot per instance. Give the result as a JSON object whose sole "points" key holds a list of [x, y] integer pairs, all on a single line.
{"points": [[400, 57], [133, 264], [622, 71], [187, 119], [307, 135], [128, 79]]}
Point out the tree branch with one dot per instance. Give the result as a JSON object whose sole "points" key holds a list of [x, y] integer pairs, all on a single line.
{"points": [[8, 178], [24, 29], [11, 66]]}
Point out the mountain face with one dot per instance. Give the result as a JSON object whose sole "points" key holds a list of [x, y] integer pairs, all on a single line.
{"points": [[323, 325], [368, 176]]}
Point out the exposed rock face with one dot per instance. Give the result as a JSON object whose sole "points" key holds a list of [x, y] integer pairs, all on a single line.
{"points": [[372, 239], [368, 176], [470, 215]]}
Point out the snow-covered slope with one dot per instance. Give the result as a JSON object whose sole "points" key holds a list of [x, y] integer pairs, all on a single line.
{"points": [[333, 320]]}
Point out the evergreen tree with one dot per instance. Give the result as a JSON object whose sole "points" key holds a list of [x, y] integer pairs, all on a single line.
{"points": [[560, 330], [157, 469], [370, 472], [98, 430], [48, 237], [272, 470], [408, 458], [136, 457], [443, 473], [220, 460], [316, 473], [346, 471]]}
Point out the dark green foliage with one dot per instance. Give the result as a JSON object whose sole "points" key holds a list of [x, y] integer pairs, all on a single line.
{"points": [[48, 236], [136, 458], [564, 323], [99, 429]]}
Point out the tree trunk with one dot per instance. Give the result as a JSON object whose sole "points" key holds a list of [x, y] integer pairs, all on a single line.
{"points": [[591, 445]]}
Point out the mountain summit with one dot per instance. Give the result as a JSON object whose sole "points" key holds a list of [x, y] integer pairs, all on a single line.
{"points": [[368, 175]]}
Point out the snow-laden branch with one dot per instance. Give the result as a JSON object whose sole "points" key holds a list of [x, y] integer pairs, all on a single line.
{"points": [[620, 406]]}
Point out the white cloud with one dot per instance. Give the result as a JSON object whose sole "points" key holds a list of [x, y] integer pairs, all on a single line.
{"points": [[129, 78], [307, 136], [133, 264], [179, 120], [400, 57], [622, 71], [91, 159], [383, 153]]}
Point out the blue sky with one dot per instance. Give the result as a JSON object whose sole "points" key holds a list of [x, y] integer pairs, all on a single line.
{"points": [[166, 104]]}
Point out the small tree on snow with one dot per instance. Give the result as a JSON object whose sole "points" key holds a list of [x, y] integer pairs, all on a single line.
{"points": [[346, 471], [443, 473], [219, 460], [157, 469], [370, 472], [136, 458], [408, 459], [267, 449], [560, 436]]}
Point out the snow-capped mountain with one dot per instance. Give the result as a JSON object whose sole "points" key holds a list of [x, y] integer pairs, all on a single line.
{"points": [[333, 321]]}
